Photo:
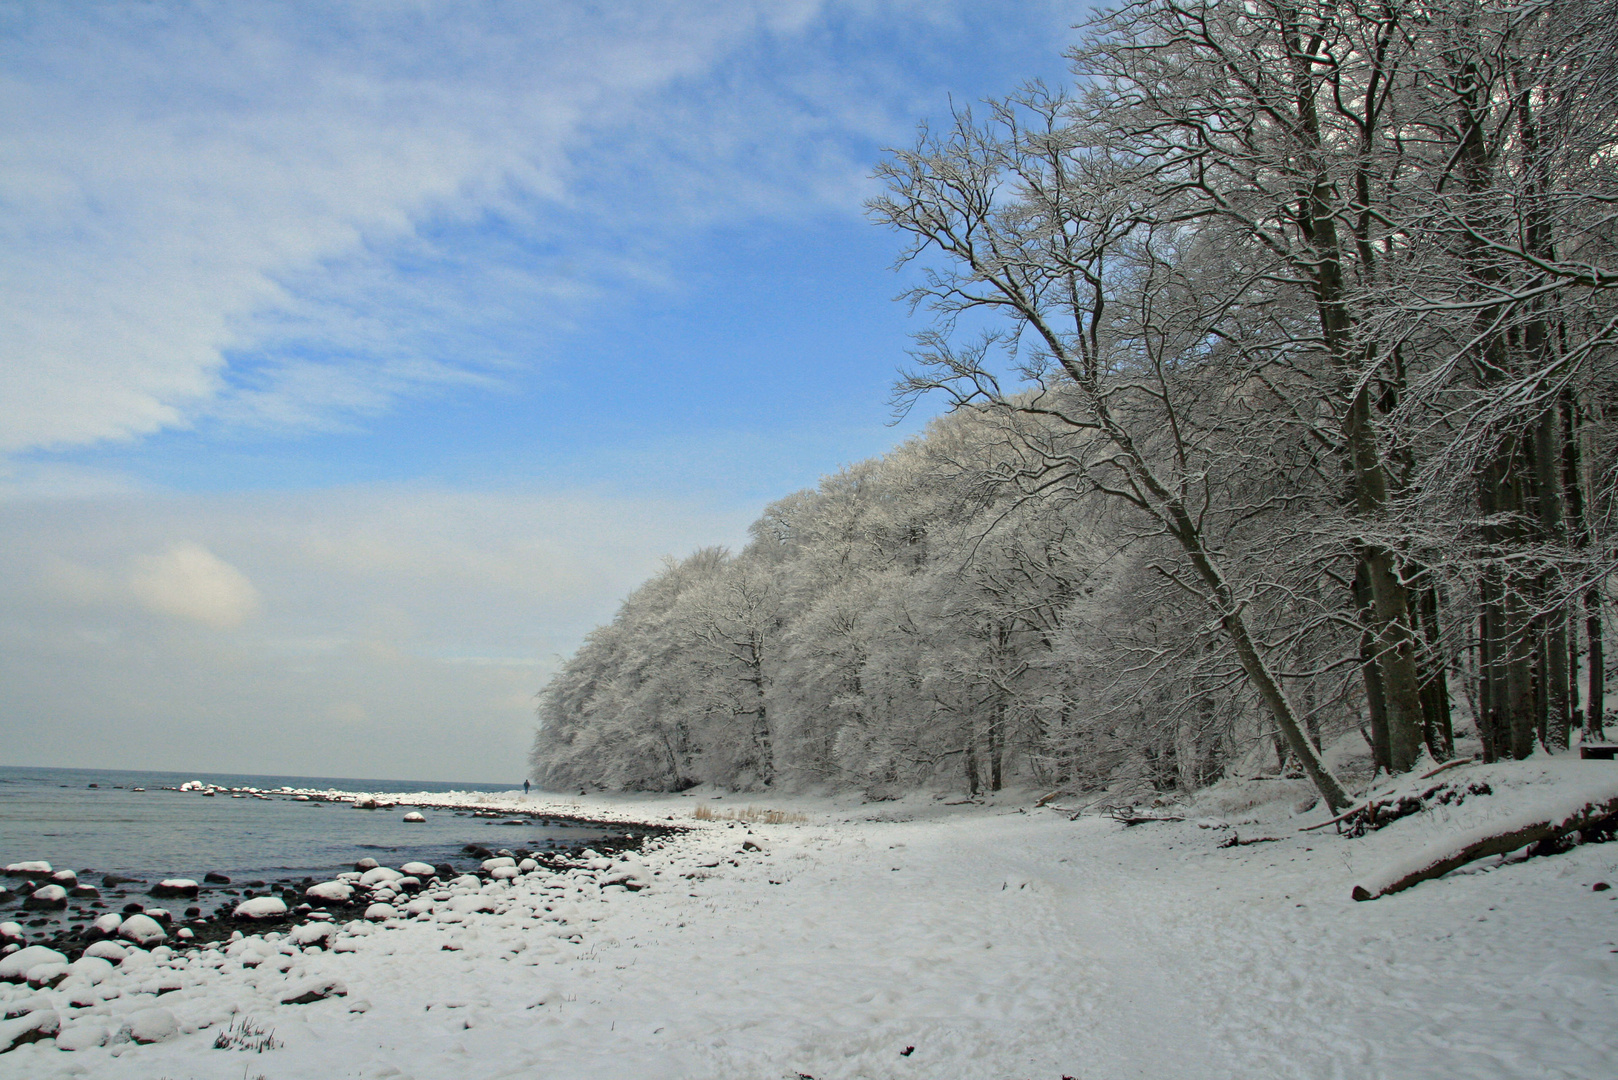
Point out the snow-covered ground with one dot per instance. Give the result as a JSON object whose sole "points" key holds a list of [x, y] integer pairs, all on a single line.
{"points": [[998, 941]]}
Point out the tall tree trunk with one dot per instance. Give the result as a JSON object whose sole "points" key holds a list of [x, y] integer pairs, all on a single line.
{"points": [[1376, 701], [1438, 726], [971, 755], [1549, 450], [997, 740]]}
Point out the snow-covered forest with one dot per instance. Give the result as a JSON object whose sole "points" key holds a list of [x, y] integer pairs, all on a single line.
{"points": [[1281, 354]]}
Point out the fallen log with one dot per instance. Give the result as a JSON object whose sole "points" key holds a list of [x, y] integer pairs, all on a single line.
{"points": [[1591, 811]]}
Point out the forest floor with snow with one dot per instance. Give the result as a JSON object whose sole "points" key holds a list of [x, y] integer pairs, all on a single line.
{"points": [[916, 939]]}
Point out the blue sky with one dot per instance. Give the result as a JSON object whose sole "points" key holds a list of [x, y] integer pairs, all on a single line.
{"points": [[355, 359]]}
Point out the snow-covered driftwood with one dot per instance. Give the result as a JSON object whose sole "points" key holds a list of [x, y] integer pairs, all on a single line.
{"points": [[1554, 817]]}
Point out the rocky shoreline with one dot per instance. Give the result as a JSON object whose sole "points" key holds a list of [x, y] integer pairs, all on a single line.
{"points": [[63, 912]]}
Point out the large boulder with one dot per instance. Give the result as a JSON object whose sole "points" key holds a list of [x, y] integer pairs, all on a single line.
{"points": [[50, 898], [37, 870], [152, 1025], [378, 875], [110, 951], [14, 968], [261, 907], [143, 930], [329, 892], [30, 1027], [314, 990], [176, 889], [95, 969], [419, 869]]}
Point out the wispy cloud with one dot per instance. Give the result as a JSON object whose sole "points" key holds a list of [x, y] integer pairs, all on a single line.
{"points": [[289, 215]]}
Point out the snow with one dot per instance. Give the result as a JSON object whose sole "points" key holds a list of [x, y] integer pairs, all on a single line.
{"points": [[997, 940], [1549, 804]]}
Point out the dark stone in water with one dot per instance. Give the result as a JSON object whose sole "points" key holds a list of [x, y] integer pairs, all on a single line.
{"points": [[255, 884], [445, 871], [214, 877], [174, 892], [192, 912], [85, 892], [114, 880], [134, 909]]}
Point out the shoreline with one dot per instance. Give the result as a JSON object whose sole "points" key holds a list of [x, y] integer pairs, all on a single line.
{"points": [[911, 940], [52, 926]]}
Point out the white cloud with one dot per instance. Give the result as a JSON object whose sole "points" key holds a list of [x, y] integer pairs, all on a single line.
{"points": [[191, 582], [399, 632], [264, 215]]}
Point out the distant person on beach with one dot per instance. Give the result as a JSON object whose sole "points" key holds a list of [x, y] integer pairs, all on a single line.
{"points": [[525, 787]]}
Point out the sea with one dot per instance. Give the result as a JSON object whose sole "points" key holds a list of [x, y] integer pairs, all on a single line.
{"points": [[100, 821]]}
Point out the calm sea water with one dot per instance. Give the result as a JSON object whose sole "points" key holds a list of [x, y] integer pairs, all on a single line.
{"points": [[54, 814]]}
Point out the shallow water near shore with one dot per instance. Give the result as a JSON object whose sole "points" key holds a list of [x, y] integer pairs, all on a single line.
{"points": [[53, 814]]}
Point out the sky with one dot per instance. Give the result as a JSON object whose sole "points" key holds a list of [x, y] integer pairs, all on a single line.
{"points": [[357, 358]]}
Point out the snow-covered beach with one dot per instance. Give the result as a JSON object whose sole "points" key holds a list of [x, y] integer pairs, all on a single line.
{"points": [[912, 939]]}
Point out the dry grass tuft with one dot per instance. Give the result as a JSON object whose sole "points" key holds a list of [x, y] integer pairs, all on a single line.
{"points": [[752, 815]]}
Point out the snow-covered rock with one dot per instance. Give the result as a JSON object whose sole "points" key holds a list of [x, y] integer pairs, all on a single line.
{"points": [[490, 865], [377, 875], [47, 974], [14, 968], [631, 874], [143, 930], [313, 990], [110, 951], [176, 888], [11, 932], [330, 892], [51, 896], [107, 925], [365, 864], [419, 869], [37, 868], [504, 873], [84, 1033], [312, 933], [261, 907], [35, 1025], [65, 878], [528, 866], [415, 817], [378, 912], [94, 969], [152, 1025]]}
